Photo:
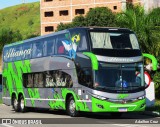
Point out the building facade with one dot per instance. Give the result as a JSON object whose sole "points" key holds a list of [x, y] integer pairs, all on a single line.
{"points": [[54, 12]]}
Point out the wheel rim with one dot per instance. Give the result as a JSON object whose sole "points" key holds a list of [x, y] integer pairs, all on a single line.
{"points": [[15, 103], [22, 104], [72, 106]]}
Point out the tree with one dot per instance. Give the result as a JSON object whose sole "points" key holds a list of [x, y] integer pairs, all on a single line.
{"points": [[63, 26], [101, 16], [137, 20], [79, 21], [8, 36]]}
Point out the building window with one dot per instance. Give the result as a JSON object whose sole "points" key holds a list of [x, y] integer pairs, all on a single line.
{"points": [[48, 14], [47, 0], [79, 11], [49, 29], [115, 7], [63, 13]]}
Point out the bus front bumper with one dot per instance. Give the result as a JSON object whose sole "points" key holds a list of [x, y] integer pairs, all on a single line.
{"points": [[106, 106]]}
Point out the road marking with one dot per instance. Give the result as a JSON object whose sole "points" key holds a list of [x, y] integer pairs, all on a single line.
{"points": [[6, 125]]}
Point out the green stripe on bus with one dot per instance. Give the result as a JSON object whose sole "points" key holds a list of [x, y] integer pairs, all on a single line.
{"points": [[93, 60]]}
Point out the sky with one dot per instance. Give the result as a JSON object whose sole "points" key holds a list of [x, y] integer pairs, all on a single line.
{"points": [[8, 3]]}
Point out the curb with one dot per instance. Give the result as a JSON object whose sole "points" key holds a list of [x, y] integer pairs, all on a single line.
{"points": [[152, 113]]}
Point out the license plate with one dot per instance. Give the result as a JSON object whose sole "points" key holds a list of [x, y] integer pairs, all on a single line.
{"points": [[122, 109]]}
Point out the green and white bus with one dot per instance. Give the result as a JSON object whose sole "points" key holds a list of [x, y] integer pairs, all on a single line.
{"points": [[79, 69]]}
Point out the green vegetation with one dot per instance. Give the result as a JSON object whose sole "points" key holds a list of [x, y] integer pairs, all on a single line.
{"points": [[100, 16], [24, 18]]}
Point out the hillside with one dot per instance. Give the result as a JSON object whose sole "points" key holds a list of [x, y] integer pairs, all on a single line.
{"points": [[23, 17]]}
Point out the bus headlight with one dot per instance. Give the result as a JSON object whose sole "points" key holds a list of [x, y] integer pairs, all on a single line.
{"points": [[99, 97], [140, 98]]}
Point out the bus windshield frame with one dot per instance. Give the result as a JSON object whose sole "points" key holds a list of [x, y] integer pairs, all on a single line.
{"points": [[119, 78]]}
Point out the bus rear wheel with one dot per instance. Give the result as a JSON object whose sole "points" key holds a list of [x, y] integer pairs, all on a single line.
{"points": [[15, 104], [21, 104], [71, 107]]}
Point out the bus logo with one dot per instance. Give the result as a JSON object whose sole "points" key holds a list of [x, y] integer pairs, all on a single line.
{"points": [[122, 96]]}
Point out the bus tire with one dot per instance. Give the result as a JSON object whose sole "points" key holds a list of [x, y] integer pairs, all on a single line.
{"points": [[15, 103], [21, 104], [71, 107]]}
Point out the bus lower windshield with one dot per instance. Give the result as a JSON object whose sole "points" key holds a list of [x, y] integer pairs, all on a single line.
{"points": [[119, 77]]}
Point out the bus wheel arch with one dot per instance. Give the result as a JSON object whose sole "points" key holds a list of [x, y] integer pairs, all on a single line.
{"points": [[14, 102], [21, 103], [71, 105]]}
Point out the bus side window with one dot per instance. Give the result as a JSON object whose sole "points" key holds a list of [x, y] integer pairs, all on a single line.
{"points": [[38, 80], [63, 45], [18, 49], [27, 49], [49, 79], [58, 79], [82, 46], [28, 80], [37, 49], [50, 47], [85, 76]]}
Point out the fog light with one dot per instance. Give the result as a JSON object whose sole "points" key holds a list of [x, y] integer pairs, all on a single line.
{"points": [[100, 106], [142, 105]]}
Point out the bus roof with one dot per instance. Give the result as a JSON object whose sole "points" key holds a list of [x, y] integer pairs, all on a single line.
{"points": [[66, 30]]}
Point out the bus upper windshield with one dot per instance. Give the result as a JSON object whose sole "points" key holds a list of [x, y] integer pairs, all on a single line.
{"points": [[119, 77], [119, 40]]}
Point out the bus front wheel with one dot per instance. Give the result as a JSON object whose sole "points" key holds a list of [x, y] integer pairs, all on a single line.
{"points": [[15, 103], [21, 104], [71, 107]]}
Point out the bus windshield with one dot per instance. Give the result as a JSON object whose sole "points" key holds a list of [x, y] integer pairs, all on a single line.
{"points": [[119, 40], [118, 77]]}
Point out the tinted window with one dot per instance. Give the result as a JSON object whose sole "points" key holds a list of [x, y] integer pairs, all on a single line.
{"points": [[27, 49], [108, 40], [79, 40], [58, 79], [47, 79], [63, 44], [85, 76], [37, 49], [50, 46]]}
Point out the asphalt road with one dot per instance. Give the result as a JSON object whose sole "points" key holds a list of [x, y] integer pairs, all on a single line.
{"points": [[50, 118]]}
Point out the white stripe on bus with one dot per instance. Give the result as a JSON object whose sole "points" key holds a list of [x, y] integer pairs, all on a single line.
{"points": [[119, 106], [83, 100], [45, 99], [6, 97]]}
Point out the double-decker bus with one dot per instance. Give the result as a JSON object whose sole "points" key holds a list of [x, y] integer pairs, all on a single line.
{"points": [[79, 69]]}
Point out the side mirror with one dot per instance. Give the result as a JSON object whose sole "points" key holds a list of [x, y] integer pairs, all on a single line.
{"points": [[154, 64]]}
